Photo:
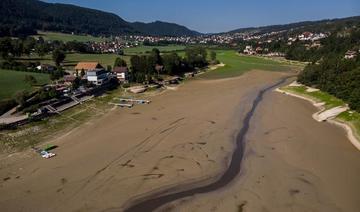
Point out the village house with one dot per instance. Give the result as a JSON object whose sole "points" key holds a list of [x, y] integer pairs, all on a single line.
{"points": [[350, 54], [259, 50], [122, 73], [46, 67], [249, 50], [87, 66], [98, 76]]}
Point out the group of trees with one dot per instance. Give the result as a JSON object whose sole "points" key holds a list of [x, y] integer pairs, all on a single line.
{"points": [[12, 48], [335, 74], [153, 65]]}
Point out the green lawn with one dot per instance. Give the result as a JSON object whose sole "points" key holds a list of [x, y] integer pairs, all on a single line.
{"points": [[236, 65], [319, 96], [13, 81], [144, 49], [68, 37], [73, 58], [353, 118]]}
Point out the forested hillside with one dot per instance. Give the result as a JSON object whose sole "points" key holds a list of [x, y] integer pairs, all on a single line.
{"points": [[159, 28], [24, 17], [312, 26], [334, 73]]}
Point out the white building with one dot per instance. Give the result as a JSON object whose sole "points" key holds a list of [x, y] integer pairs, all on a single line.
{"points": [[98, 76]]}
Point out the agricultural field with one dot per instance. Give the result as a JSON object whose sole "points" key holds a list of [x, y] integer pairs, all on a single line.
{"points": [[144, 49], [13, 81], [68, 37], [104, 59], [73, 58], [236, 65]]}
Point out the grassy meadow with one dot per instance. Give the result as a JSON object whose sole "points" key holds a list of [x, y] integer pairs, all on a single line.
{"points": [[236, 65], [144, 49], [13, 81], [73, 58], [68, 37]]}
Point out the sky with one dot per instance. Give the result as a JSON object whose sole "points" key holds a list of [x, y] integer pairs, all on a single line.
{"points": [[209, 16]]}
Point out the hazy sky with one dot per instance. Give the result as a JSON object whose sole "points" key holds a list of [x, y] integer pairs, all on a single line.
{"points": [[223, 15]]}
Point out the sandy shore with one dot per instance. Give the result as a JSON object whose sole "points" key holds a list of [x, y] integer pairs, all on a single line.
{"points": [[329, 115], [292, 163]]}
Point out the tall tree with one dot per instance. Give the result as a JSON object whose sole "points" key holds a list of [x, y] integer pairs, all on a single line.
{"points": [[196, 56], [119, 62], [172, 63], [58, 56]]}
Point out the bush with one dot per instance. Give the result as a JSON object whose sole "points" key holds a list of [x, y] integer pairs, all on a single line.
{"points": [[126, 85], [31, 109]]}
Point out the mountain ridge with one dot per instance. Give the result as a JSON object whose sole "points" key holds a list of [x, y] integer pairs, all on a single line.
{"points": [[295, 25], [24, 17]]}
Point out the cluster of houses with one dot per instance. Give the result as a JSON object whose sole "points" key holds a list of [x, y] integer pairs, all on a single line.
{"points": [[309, 36], [94, 73], [112, 46], [249, 50]]}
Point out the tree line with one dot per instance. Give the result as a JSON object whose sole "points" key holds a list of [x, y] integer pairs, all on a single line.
{"points": [[145, 68]]}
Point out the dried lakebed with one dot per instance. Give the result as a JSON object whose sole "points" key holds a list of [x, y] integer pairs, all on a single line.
{"points": [[157, 200]]}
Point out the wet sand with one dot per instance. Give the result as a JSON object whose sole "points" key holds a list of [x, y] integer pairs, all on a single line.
{"points": [[291, 161]]}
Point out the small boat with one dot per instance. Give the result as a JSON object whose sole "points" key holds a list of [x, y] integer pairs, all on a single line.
{"points": [[47, 155]]}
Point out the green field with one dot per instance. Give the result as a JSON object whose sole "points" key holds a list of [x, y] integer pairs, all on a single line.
{"points": [[104, 59], [68, 37], [236, 65], [13, 81], [319, 96], [144, 49], [73, 58]]}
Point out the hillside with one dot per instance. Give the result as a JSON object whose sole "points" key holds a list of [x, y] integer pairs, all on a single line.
{"points": [[24, 17], [313, 26], [162, 28]]}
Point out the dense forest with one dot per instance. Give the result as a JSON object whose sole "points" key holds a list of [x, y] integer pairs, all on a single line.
{"points": [[312, 26], [331, 72], [24, 17]]}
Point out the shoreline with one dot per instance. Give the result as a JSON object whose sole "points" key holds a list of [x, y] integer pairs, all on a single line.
{"points": [[350, 134]]}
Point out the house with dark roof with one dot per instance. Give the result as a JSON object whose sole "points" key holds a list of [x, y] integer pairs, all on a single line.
{"points": [[122, 73]]}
